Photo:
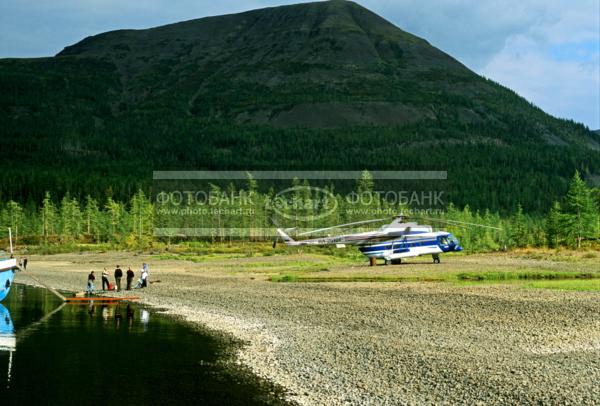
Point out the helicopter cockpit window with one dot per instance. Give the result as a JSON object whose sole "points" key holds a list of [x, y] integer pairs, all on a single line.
{"points": [[444, 240]]}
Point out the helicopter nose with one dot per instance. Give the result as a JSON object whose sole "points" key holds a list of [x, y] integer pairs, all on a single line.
{"points": [[458, 248]]}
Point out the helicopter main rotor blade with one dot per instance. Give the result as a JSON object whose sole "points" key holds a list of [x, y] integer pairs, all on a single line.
{"points": [[460, 223], [341, 226]]}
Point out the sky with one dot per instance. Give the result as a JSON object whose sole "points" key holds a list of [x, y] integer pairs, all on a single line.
{"points": [[548, 51]]}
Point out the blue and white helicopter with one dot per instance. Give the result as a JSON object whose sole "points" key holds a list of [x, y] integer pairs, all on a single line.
{"points": [[391, 242]]}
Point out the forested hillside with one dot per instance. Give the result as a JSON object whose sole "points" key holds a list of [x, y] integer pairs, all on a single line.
{"points": [[139, 223], [325, 85]]}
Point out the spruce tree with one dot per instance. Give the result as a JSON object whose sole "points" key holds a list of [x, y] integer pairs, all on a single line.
{"points": [[579, 216], [91, 213], [365, 183], [519, 236], [15, 218], [48, 214], [553, 226]]}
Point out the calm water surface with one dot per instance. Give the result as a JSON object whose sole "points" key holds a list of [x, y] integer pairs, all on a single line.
{"points": [[116, 354]]}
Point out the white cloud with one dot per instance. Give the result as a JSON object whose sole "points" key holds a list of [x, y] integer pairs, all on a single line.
{"points": [[546, 50], [562, 87]]}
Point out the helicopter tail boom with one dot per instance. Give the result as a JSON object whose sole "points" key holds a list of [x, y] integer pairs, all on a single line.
{"points": [[286, 238]]}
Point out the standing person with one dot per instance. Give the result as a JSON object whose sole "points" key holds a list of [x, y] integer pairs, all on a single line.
{"points": [[105, 282], [90, 283], [24, 263], [144, 277], [130, 276], [147, 269], [118, 276]]}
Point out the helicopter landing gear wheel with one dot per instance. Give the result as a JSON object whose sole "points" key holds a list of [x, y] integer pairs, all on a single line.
{"points": [[388, 261], [396, 261], [436, 259]]}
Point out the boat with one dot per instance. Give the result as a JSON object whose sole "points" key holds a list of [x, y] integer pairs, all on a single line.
{"points": [[8, 268]]}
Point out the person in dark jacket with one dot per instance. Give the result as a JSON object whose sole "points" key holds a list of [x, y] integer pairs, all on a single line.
{"points": [[118, 276], [130, 275]]}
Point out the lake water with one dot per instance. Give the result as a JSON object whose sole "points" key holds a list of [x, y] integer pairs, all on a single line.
{"points": [[124, 354]]}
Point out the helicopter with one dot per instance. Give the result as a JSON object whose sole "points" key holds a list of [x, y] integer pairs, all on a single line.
{"points": [[391, 242]]}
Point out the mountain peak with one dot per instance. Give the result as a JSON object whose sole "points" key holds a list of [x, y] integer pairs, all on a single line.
{"points": [[336, 46], [333, 32]]}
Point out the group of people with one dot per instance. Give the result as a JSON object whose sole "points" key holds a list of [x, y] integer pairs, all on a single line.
{"points": [[118, 275]]}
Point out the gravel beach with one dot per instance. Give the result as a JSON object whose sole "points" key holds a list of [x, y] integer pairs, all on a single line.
{"points": [[378, 343]]}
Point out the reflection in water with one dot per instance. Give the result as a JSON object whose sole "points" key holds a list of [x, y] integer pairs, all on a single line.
{"points": [[8, 341], [149, 358], [6, 327], [129, 316], [145, 318]]}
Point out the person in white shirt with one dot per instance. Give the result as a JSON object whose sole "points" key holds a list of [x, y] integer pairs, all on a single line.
{"points": [[144, 279], [145, 275], [105, 282]]}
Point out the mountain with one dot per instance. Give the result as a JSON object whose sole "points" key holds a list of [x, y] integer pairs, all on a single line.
{"points": [[326, 85], [313, 65]]}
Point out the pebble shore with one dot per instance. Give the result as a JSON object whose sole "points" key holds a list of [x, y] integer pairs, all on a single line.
{"points": [[385, 343]]}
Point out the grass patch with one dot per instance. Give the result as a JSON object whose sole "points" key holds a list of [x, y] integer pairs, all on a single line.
{"points": [[559, 255], [50, 249], [284, 278], [461, 278], [199, 258], [567, 284], [355, 278], [526, 275]]}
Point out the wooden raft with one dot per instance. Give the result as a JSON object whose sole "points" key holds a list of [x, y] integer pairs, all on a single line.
{"points": [[100, 299]]}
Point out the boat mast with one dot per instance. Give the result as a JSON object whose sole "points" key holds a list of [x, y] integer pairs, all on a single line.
{"points": [[10, 240]]}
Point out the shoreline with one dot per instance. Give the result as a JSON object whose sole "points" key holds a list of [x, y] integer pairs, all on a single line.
{"points": [[254, 338], [378, 343]]}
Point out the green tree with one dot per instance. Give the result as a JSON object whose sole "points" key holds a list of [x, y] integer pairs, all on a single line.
{"points": [[142, 216], [553, 226], [115, 213], [70, 219], [15, 218], [48, 214], [215, 198], [579, 212], [519, 231], [92, 218], [365, 183]]}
